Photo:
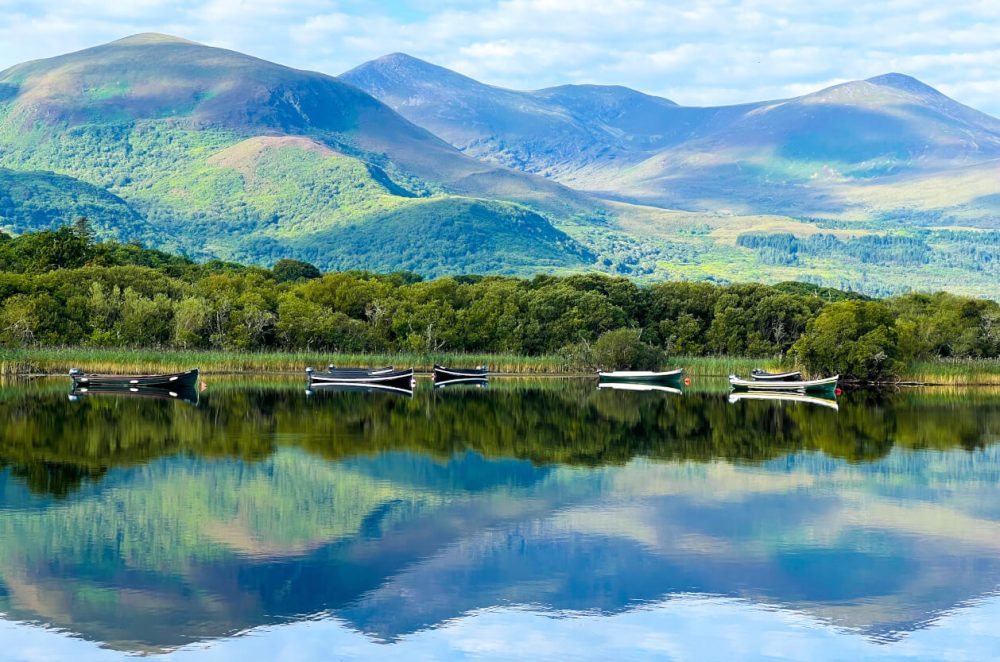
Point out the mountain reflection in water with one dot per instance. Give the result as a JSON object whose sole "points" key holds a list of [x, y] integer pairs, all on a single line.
{"points": [[147, 525]]}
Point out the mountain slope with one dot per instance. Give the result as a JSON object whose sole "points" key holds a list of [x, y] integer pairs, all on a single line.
{"points": [[32, 201], [549, 131], [790, 156], [225, 150]]}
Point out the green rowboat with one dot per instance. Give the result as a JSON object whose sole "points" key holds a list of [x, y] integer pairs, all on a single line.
{"points": [[640, 377]]}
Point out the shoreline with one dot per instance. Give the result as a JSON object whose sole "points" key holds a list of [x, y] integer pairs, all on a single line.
{"points": [[38, 362]]}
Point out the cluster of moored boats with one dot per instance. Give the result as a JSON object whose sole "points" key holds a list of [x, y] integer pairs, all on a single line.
{"points": [[391, 379], [760, 380], [183, 385]]}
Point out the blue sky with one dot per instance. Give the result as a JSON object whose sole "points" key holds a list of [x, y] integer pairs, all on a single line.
{"points": [[695, 52]]}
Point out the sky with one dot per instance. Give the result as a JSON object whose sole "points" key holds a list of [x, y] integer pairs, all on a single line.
{"points": [[695, 52]]}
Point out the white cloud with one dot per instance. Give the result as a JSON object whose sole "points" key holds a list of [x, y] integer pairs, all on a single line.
{"points": [[694, 51]]}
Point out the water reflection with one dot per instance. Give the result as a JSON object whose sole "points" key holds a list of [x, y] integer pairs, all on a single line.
{"points": [[147, 524]]}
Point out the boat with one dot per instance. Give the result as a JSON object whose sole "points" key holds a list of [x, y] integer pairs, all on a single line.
{"points": [[622, 386], [185, 393], [786, 396], [443, 375], [762, 375], [824, 385], [401, 379], [640, 377], [174, 381]]}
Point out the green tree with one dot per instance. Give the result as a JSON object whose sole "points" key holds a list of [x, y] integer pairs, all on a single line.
{"points": [[623, 349], [287, 270], [855, 339]]}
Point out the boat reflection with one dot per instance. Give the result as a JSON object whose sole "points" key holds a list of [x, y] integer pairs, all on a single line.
{"points": [[187, 394], [622, 386], [785, 396], [357, 388], [477, 382]]}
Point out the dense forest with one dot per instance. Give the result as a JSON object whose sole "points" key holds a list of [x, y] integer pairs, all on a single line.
{"points": [[60, 287]]}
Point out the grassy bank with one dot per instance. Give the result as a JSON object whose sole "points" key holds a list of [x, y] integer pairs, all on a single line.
{"points": [[59, 360]]}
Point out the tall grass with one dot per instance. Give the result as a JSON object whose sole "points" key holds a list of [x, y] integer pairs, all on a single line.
{"points": [[58, 360], [61, 359], [955, 372]]}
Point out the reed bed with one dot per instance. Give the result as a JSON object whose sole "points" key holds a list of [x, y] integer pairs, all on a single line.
{"points": [[58, 360], [955, 372]]}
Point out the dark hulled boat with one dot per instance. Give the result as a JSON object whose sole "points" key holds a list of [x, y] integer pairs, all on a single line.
{"points": [[824, 385], [174, 381], [444, 376], [640, 377], [401, 379], [762, 375]]}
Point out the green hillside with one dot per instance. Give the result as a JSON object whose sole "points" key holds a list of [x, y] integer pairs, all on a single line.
{"points": [[238, 157], [215, 154], [35, 200]]}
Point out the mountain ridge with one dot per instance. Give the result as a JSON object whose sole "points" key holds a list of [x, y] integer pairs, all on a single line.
{"points": [[216, 154], [712, 158]]}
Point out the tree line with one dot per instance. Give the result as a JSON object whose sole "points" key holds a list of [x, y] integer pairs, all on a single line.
{"points": [[60, 287]]}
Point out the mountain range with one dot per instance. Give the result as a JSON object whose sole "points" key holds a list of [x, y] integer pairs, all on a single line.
{"points": [[785, 156], [401, 164]]}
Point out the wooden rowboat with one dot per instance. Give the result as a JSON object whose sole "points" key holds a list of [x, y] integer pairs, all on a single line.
{"points": [[825, 385], [401, 379], [762, 375], [452, 376], [640, 377], [176, 380]]}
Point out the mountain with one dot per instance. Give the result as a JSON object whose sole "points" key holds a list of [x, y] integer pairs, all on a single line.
{"points": [[220, 152], [553, 131], [796, 156], [791, 156], [214, 153]]}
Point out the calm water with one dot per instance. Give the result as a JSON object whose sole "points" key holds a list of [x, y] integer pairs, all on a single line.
{"points": [[532, 518]]}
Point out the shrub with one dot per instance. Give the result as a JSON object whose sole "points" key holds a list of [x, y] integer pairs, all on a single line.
{"points": [[623, 349], [855, 339]]}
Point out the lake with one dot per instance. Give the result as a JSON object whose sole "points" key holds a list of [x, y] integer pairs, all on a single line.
{"points": [[537, 518]]}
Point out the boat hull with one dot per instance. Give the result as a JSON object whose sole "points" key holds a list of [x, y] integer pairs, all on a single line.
{"points": [[826, 385], [174, 381], [444, 374], [399, 379], [641, 377]]}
